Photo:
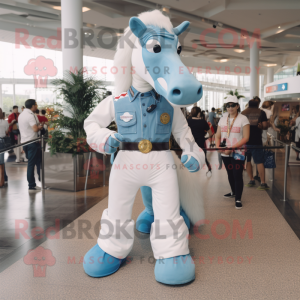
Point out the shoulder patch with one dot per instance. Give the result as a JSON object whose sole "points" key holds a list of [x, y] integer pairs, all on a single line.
{"points": [[121, 96]]}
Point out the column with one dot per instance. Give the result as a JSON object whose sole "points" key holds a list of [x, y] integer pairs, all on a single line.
{"points": [[270, 75], [71, 26], [254, 74], [14, 94]]}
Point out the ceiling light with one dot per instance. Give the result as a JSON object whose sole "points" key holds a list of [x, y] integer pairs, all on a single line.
{"points": [[221, 60], [84, 9], [271, 65], [239, 50], [166, 9], [278, 26]]}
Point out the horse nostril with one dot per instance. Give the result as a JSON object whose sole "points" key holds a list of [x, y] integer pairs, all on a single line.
{"points": [[200, 90], [176, 92]]}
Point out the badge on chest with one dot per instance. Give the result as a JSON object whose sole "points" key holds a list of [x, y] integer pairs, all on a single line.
{"points": [[165, 118], [126, 117]]}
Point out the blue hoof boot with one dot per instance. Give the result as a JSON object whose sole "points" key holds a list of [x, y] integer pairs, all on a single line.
{"points": [[175, 270], [144, 221], [185, 218], [98, 263]]}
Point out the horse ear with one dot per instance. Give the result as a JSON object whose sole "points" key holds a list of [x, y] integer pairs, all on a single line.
{"points": [[181, 28], [137, 27]]}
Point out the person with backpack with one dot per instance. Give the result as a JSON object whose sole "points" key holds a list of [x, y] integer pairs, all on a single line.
{"points": [[258, 122]]}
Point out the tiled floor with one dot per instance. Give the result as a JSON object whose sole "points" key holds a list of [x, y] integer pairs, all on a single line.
{"points": [[264, 265], [18, 208]]}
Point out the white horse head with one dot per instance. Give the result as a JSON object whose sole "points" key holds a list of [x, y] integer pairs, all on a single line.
{"points": [[150, 47]]}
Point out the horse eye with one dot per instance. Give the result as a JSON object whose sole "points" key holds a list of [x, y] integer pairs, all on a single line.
{"points": [[156, 48], [179, 50]]}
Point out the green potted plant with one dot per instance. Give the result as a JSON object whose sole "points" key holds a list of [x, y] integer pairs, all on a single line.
{"points": [[69, 154]]}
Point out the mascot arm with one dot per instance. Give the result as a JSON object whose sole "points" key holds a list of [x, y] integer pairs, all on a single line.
{"points": [[95, 125], [185, 139]]}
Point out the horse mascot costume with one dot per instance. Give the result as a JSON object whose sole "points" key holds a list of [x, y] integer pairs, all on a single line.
{"points": [[151, 85]]}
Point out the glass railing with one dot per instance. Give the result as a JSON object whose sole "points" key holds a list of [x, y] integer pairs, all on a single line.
{"points": [[286, 175], [66, 171]]}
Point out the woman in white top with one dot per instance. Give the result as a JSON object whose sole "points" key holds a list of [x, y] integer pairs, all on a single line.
{"points": [[3, 132], [233, 132], [297, 136], [274, 121]]}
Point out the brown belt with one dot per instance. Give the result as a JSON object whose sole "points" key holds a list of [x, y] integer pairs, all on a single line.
{"points": [[134, 146]]}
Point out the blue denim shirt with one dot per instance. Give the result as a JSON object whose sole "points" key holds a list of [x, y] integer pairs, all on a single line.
{"points": [[135, 123]]}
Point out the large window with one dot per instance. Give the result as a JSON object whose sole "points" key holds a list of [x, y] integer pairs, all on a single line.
{"points": [[290, 72], [22, 93], [7, 98]]}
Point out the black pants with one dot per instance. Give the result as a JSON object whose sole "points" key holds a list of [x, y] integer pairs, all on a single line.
{"points": [[34, 156], [234, 170], [201, 144], [13, 141]]}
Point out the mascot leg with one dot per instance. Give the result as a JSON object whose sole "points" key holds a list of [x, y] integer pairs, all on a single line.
{"points": [[146, 217], [116, 236], [169, 232]]}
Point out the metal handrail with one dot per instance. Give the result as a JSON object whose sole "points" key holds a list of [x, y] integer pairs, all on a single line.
{"points": [[20, 145], [245, 148], [280, 142], [286, 163], [42, 139], [295, 148]]}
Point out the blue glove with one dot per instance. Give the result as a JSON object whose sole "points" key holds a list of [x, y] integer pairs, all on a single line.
{"points": [[190, 163], [113, 143]]}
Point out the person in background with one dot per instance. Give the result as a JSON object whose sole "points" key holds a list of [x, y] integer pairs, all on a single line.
{"points": [[29, 128], [23, 107], [234, 132], [258, 122], [295, 129], [42, 117], [267, 108], [274, 121], [206, 115], [12, 123], [297, 135], [3, 132], [211, 119], [5, 175], [199, 128]]}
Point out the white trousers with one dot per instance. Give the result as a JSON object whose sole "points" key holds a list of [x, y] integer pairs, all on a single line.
{"points": [[130, 171]]}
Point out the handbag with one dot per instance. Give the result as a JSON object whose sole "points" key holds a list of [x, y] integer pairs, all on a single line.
{"points": [[5, 142], [269, 159]]}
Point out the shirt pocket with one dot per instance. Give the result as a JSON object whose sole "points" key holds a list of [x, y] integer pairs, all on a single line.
{"points": [[161, 128], [127, 123]]}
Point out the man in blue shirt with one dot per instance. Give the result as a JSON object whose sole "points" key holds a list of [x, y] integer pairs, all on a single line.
{"points": [[211, 116]]}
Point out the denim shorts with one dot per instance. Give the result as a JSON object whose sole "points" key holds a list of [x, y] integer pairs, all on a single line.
{"points": [[1, 158], [257, 154]]}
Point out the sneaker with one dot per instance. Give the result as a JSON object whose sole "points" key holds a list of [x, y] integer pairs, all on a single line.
{"points": [[208, 174], [229, 195], [238, 204], [263, 187], [251, 183]]}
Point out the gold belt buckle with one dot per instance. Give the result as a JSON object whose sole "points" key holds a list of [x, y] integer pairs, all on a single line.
{"points": [[145, 146]]}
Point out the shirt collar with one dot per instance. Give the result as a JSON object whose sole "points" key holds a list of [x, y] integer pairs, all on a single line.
{"points": [[133, 93]]}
